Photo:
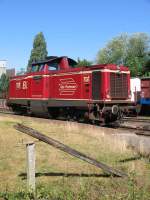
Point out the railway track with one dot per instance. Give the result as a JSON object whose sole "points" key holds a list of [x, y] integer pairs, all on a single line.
{"points": [[137, 119], [134, 128], [137, 124], [4, 111]]}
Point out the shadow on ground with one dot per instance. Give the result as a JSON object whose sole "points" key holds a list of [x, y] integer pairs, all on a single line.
{"points": [[24, 175], [130, 159]]}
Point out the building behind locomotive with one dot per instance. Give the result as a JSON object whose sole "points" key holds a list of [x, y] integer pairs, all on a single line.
{"points": [[135, 84], [56, 87]]}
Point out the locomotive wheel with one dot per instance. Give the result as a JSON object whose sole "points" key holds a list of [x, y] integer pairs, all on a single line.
{"points": [[18, 110], [53, 113]]}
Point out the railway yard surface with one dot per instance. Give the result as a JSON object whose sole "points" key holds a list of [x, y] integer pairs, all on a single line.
{"points": [[61, 176]]}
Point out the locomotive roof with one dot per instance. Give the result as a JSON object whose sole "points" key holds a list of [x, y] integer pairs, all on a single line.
{"points": [[108, 66], [57, 59], [72, 62]]}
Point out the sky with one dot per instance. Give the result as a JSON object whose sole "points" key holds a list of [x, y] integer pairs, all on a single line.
{"points": [[74, 28]]}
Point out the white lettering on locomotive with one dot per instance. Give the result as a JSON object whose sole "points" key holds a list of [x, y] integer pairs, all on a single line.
{"points": [[67, 86], [86, 79], [18, 85], [24, 85]]}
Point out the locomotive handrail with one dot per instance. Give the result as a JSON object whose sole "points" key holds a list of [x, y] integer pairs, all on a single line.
{"points": [[36, 77]]}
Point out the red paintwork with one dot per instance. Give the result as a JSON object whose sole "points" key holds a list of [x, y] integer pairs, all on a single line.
{"points": [[66, 83], [145, 87]]}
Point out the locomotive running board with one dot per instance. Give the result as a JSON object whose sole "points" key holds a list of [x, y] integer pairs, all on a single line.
{"points": [[67, 149]]}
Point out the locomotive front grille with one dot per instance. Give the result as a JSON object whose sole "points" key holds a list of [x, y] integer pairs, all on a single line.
{"points": [[118, 85]]}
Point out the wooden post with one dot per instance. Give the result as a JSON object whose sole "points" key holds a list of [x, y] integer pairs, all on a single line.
{"points": [[30, 149]]}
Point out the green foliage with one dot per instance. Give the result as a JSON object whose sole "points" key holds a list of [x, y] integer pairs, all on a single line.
{"points": [[88, 189], [4, 83], [39, 51], [146, 69], [131, 51], [113, 52], [83, 62]]}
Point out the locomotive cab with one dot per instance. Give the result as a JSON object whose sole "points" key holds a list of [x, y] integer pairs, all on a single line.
{"points": [[53, 64]]}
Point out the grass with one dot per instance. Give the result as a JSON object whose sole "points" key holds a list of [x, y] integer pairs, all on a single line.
{"points": [[60, 176]]}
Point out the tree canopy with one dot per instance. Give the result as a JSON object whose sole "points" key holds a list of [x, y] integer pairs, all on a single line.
{"points": [[39, 51], [83, 62], [4, 83], [131, 51]]}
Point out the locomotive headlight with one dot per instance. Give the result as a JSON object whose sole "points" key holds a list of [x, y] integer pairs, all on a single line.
{"points": [[129, 95], [142, 94], [108, 94]]}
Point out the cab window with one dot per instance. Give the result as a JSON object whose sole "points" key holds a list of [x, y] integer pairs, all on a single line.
{"points": [[53, 66], [41, 68], [34, 68], [37, 68]]}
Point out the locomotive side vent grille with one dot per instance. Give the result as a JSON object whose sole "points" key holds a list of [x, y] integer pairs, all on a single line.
{"points": [[118, 85]]}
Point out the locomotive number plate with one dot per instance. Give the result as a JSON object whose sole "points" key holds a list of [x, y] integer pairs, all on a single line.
{"points": [[22, 85]]}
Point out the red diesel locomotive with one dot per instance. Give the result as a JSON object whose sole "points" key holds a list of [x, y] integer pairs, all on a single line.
{"points": [[57, 88]]}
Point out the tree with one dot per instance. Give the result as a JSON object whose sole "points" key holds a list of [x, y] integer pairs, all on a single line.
{"points": [[138, 50], [83, 62], [114, 52], [131, 51], [4, 84], [146, 69], [39, 51]]}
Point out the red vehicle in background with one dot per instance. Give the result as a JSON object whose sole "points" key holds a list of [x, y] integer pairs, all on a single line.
{"points": [[57, 88], [145, 96]]}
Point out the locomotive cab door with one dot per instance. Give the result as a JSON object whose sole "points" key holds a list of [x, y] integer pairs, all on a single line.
{"points": [[37, 105], [37, 81], [37, 86]]}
